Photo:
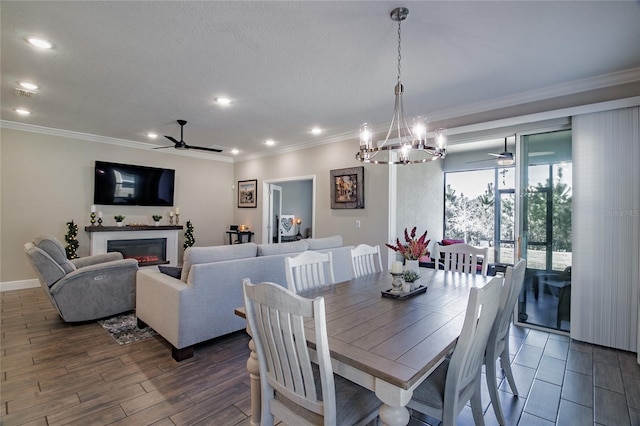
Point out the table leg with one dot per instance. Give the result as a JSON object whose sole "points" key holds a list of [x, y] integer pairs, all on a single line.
{"points": [[254, 374], [393, 411]]}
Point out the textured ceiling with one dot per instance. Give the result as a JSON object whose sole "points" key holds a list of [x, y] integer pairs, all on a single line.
{"points": [[122, 69]]}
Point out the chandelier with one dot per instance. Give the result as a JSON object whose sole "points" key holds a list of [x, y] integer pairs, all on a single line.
{"points": [[410, 145]]}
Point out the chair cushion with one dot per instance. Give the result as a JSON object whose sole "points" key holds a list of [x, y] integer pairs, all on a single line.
{"points": [[431, 391], [55, 249], [449, 241], [282, 248], [353, 402], [325, 243]]}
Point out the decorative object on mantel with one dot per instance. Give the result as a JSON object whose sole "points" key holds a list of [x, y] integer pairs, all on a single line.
{"points": [[189, 239], [72, 241], [177, 215], [100, 218], [119, 218], [347, 188], [156, 219], [410, 145], [93, 215], [124, 328], [171, 218]]}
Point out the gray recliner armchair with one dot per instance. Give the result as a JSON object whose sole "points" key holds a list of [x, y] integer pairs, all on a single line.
{"points": [[87, 288]]}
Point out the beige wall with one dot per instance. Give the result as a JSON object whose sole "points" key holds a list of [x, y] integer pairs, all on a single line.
{"points": [[319, 161], [47, 181]]}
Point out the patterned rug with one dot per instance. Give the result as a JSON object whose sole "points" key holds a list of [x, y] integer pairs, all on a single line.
{"points": [[124, 328]]}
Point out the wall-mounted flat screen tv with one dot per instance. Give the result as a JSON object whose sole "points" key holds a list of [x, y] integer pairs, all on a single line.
{"points": [[128, 184]]}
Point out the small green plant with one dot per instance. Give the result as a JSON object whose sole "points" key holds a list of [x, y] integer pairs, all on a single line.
{"points": [[118, 218], [156, 217], [410, 276]]}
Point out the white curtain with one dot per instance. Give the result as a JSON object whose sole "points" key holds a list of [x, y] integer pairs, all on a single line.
{"points": [[606, 228]]}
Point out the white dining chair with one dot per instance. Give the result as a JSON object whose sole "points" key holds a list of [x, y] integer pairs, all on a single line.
{"points": [[293, 389], [309, 269], [498, 343], [463, 258], [365, 260], [444, 393]]}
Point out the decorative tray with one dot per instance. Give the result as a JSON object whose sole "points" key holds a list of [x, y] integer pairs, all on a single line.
{"points": [[401, 296]]}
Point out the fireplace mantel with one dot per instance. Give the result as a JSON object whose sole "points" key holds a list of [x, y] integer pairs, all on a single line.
{"points": [[101, 234]]}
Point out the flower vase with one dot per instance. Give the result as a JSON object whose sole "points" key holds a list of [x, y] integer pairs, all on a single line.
{"points": [[157, 223], [118, 223]]}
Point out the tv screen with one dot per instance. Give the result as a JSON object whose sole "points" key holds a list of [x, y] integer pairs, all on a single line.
{"points": [[127, 184]]}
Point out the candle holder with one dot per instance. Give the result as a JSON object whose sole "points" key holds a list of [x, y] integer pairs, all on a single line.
{"points": [[170, 220], [93, 218], [99, 221], [397, 282], [177, 219]]}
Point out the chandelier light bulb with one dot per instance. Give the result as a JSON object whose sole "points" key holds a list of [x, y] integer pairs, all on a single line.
{"points": [[441, 139]]}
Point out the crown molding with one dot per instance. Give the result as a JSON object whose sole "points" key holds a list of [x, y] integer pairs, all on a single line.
{"points": [[564, 89], [103, 139]]}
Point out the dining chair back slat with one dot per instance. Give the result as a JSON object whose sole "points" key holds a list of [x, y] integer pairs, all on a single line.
{"points": [[365, 260], [463, 258], [308, 270]]}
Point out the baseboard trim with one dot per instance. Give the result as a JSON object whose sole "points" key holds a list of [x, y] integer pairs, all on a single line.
{"points": [[19, 285]]}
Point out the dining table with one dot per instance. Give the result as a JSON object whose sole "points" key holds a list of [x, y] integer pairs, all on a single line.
{"points": [[385, 343]]}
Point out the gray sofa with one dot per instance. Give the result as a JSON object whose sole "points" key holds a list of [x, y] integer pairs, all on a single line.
{"points": [[87, 288], [200, 304]]}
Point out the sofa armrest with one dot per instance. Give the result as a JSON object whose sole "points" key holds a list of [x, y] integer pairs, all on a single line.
{"points": [[96, 259]]}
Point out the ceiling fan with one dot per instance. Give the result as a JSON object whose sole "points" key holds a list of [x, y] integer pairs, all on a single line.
{"points": [[505, 158], [181, 144]]}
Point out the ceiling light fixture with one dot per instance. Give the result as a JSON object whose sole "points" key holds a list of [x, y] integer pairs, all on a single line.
{"points": [[410, 145], [40, 42], [22, 111], [269, 142], [27, 85], [235, 151], [315, 131], [223, 101], [152, 135]]}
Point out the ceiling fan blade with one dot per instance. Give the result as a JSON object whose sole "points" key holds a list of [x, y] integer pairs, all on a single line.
{"points": [[163, 147], [172, 139], [497, 155], [202, 148], [480, 161]]}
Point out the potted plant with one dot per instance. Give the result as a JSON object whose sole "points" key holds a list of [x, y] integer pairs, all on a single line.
{"points": [[156, 219], [411, 277], [119, 218], [413, 250]]}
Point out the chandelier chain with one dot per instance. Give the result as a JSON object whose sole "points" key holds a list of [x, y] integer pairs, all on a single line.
{"points": [[399, 51]]}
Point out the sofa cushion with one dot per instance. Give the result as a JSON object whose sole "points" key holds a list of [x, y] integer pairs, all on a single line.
{"points": [[282, 248], [195, 255], [324, 243], [54, 248]]}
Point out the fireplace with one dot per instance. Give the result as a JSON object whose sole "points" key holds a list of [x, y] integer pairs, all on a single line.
{"points": [[147, 251]]}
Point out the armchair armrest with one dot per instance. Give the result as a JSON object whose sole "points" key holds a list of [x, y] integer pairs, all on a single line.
{"points": [[115, 270], [96, 259]]}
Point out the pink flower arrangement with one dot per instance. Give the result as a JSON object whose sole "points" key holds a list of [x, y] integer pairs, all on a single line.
{"points": [[415, 248]]}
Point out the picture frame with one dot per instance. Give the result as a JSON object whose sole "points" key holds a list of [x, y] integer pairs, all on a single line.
{"points": [[248, 194], [347, 188]]}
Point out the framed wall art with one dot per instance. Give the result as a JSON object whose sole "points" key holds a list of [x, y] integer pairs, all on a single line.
{"points": [[248, 193], [347, 188]]}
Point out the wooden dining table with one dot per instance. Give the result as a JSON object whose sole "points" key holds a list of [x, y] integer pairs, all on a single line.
{"points": [[385, 344]]}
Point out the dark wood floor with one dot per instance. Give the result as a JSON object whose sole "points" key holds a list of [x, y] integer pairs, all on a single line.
{"points": [[59, 374]]}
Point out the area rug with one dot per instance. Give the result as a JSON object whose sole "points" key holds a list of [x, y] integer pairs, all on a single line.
{"points": [[124, 328]]}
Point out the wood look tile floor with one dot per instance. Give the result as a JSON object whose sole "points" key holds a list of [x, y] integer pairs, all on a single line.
{"points": [[59, 374]]}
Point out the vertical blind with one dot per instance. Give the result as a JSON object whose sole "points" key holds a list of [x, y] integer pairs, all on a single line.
{"points": [[606, 228]]}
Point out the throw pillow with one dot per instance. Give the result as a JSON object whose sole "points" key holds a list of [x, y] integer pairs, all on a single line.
{"points": [[172, 271]]}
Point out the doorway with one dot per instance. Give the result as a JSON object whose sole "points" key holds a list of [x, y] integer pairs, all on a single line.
{"points": [[291, 198]]}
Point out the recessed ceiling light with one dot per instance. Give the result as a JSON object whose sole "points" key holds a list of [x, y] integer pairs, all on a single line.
{"points": [[40, 42], [235, 151], [152, 135], [269, 142], [27, 85], [223, 101], [316, 131], [22, 111]]}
